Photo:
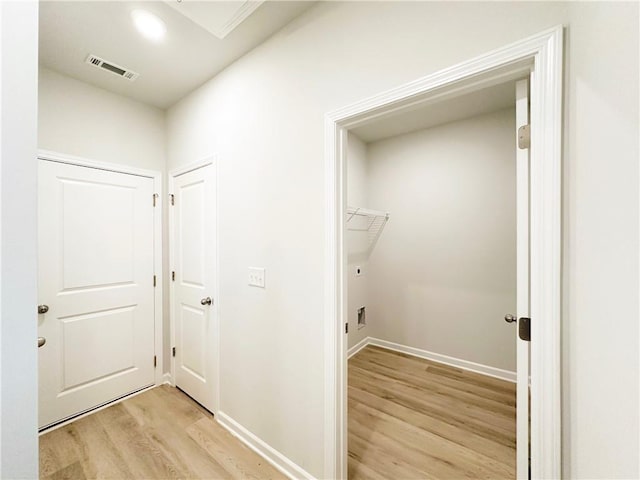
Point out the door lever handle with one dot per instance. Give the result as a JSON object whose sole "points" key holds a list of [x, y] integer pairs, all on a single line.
{"points": [[206, 301]]}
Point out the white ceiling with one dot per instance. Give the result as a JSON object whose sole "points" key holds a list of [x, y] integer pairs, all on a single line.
{"points": [[189, 55], [487, 100]]}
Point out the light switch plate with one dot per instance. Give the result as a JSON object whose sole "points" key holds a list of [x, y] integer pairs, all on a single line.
{"points": [[256, 277]]}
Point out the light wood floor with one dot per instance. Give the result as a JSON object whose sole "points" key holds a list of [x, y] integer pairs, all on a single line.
{"points": [[410, 418], [158, 434]]}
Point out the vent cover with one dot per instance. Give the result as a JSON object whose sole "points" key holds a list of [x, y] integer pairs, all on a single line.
{"points": [[112, 67]]}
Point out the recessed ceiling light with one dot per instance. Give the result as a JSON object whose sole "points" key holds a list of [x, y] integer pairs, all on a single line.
{"points": [[149, 25]]}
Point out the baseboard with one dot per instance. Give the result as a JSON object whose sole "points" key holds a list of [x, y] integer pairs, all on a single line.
{"points": [[166, 378], [358, 346], [507, 375], [274, 457]]}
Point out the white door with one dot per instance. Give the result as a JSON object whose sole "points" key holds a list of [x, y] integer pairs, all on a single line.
{"points": [[522, 213], [193, 273], [95, 254]]}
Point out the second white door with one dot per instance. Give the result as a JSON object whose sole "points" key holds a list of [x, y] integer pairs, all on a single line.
{"points": [[193, 283]]}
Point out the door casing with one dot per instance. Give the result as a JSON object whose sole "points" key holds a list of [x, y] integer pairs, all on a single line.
{"points": [[539, 56], [211, 160], [157, 238]]}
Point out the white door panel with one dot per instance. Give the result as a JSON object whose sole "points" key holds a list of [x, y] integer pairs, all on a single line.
{"points": [[194, 255], [522, 260], [96, 275]]}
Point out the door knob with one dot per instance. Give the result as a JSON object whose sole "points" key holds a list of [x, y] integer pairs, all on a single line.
{"points": [[206, 301], [41, 341], [510, 318], [43, 308]]}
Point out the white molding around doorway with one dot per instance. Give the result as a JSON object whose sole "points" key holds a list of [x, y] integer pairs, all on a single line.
{"points": [[157, 235], [539, 56]]}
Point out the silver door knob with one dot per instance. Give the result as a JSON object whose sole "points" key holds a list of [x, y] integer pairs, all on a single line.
{"points": [[43, 308], [509, 318], [206, 301], [41, 341]]}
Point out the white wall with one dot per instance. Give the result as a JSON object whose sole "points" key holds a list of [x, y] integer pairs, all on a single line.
{"points": [[18, 358], [357, 245], [264, 117], [601, 244], [443, 273], [79, 119]]}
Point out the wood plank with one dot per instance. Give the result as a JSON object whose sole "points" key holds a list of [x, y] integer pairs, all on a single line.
{"points": [[70, 472], [417, 364], [236, 458], [458, 434], [499, 403], [140, 452], [481, 421], [427, 450], [440, 374], [170, 432], [412, 418], [76, 442], [58, 452], [161, 433]]}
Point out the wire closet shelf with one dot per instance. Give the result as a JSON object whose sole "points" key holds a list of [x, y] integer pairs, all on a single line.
{"points": [[372, 222]]}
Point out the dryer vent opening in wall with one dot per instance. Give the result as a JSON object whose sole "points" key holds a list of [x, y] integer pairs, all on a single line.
{"points": [[362, 319], [112, 67]]}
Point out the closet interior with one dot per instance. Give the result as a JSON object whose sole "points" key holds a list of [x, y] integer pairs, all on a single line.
{"points": [[431, 266]]}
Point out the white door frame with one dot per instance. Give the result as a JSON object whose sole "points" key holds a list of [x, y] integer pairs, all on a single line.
{"points": [[211, 160], [156, 176], [541, 56]]}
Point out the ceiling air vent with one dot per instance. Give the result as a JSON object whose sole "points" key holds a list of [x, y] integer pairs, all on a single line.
{"points": [[112, 67]]}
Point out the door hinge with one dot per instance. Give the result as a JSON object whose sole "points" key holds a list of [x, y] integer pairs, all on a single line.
{"points": [[155, 361], [524, 329], [173, 276], [173, 352], [173, 199], [524, 137], [155, 198], [346, 327], [154, 280]]}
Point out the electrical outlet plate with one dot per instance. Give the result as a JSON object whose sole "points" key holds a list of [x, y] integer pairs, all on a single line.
{"points": [[256, 277]]}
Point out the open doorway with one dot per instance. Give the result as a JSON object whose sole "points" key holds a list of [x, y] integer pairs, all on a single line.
{"points": [[537, 59], [431, 235]]}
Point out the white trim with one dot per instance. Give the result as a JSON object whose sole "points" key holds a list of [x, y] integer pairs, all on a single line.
{"points": [[168, 379], [274, 457], [446, 360], [176, 172], [158, 233], [486, 370], [156, 176], [541, 55], [545, 253], [358, 346], [86, 162]]}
